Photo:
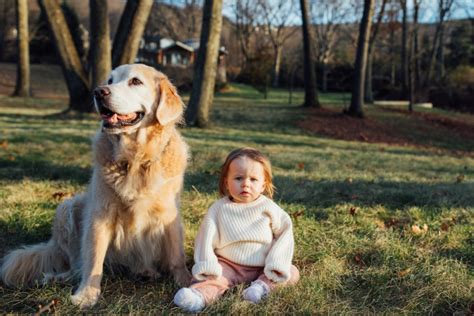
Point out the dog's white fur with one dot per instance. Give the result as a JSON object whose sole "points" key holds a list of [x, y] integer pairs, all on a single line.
{"points": [[129, 215]]}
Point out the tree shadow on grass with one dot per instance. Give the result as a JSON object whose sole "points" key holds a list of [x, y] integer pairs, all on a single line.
{"points": [[317, 195], [322, 142], [376, 290], [14, 233], [37, 169], [38, 137], [390, 194], [259, 139]]}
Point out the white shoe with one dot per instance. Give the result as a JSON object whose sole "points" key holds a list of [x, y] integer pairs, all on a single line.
{"points": [[256, 291], [190, 300]]}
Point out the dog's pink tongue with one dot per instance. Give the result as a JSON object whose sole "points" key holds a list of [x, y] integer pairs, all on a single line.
{"points": [[110, 118], [114, 118], [126, 117]]}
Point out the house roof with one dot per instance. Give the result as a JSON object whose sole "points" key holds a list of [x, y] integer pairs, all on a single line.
{"points": [[166, 42], [189, 45], [184, 46], [194, 43]]}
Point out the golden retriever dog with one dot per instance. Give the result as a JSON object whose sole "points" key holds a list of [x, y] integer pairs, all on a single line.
{"points": [[129, 215]]}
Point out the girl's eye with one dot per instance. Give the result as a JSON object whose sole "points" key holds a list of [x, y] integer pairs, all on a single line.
{"points": [[238, 178], [110, 81], [253, 179], [135, 82]]}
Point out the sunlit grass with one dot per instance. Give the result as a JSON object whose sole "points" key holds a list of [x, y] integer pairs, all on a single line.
{"points": [[353, 206]]}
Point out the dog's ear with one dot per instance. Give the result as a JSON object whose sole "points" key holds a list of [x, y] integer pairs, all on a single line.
{"points": [[170, 107]]}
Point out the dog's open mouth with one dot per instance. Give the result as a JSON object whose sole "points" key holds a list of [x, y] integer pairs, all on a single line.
{"points": [[116, 120]]}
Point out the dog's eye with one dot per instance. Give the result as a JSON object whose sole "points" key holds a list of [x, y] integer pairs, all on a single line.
{"points": [[110, 81], [135, 82]]}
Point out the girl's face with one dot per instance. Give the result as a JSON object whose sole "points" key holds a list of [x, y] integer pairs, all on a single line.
{"points": [[245, 180]]}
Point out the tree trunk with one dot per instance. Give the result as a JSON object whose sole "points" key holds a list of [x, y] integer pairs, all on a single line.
{"points": [[368, 96], [411, 73], [202, 94], [310, 91], [74, 74], [355, 109], [22, 88], [427, 80], [414, 67], [440, 60], [3, 27], [221, 70], [392, 58], [130, 31], [444, 6], [404, 55], [277, 66], [100, 55], [416, 50]]}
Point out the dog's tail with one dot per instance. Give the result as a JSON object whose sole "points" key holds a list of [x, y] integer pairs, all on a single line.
{"points": [[22, 267]]}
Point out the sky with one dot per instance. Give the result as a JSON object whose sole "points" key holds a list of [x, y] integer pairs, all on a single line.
{"points": [[462, 9], [428, 13]]}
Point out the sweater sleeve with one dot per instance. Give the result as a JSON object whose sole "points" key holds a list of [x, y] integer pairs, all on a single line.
{"points": [[205, 260], [278, 261]]}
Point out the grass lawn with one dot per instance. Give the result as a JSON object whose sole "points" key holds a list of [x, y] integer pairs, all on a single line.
{"points": [[359, 208]]}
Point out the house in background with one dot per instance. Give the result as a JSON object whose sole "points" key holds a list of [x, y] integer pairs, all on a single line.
{"points": [[177, 58], [157, 51], [176, 54]]}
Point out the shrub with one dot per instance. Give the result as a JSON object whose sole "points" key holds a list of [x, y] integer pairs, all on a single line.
{"points": [[457, 92]]}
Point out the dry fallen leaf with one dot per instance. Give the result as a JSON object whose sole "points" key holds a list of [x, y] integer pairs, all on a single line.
{"points": [[460, 178], [417, 230], [445, 226], [4, 144], [301, 165], [404, 272], [61, 195], [48, 308], [380, 224], [392, 222], [297, 214], [358, 260], [353, 210]]}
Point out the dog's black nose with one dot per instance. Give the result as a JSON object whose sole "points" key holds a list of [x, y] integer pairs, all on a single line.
{"points": [[101, 92]]}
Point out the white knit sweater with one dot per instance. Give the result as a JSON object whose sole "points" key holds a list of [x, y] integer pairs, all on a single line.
{"points": [[257, 234]]}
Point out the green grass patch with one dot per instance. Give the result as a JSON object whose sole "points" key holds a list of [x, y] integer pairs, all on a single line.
{"points": [[353, 205]]}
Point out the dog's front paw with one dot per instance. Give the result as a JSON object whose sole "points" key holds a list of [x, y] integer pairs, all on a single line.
{"points": [[182, 277], [86, 297]]}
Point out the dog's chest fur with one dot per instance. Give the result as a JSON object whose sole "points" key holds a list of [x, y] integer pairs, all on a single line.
{"points": [[133, 172], [132, 169]]}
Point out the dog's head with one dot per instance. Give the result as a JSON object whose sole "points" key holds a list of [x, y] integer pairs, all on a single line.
{"points": [[136, 96]]}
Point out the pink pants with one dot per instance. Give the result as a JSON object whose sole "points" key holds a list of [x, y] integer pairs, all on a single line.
{"points": [[233, 274]]}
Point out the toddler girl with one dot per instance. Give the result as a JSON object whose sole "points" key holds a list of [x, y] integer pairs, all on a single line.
{"points": [[245, 237]]}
